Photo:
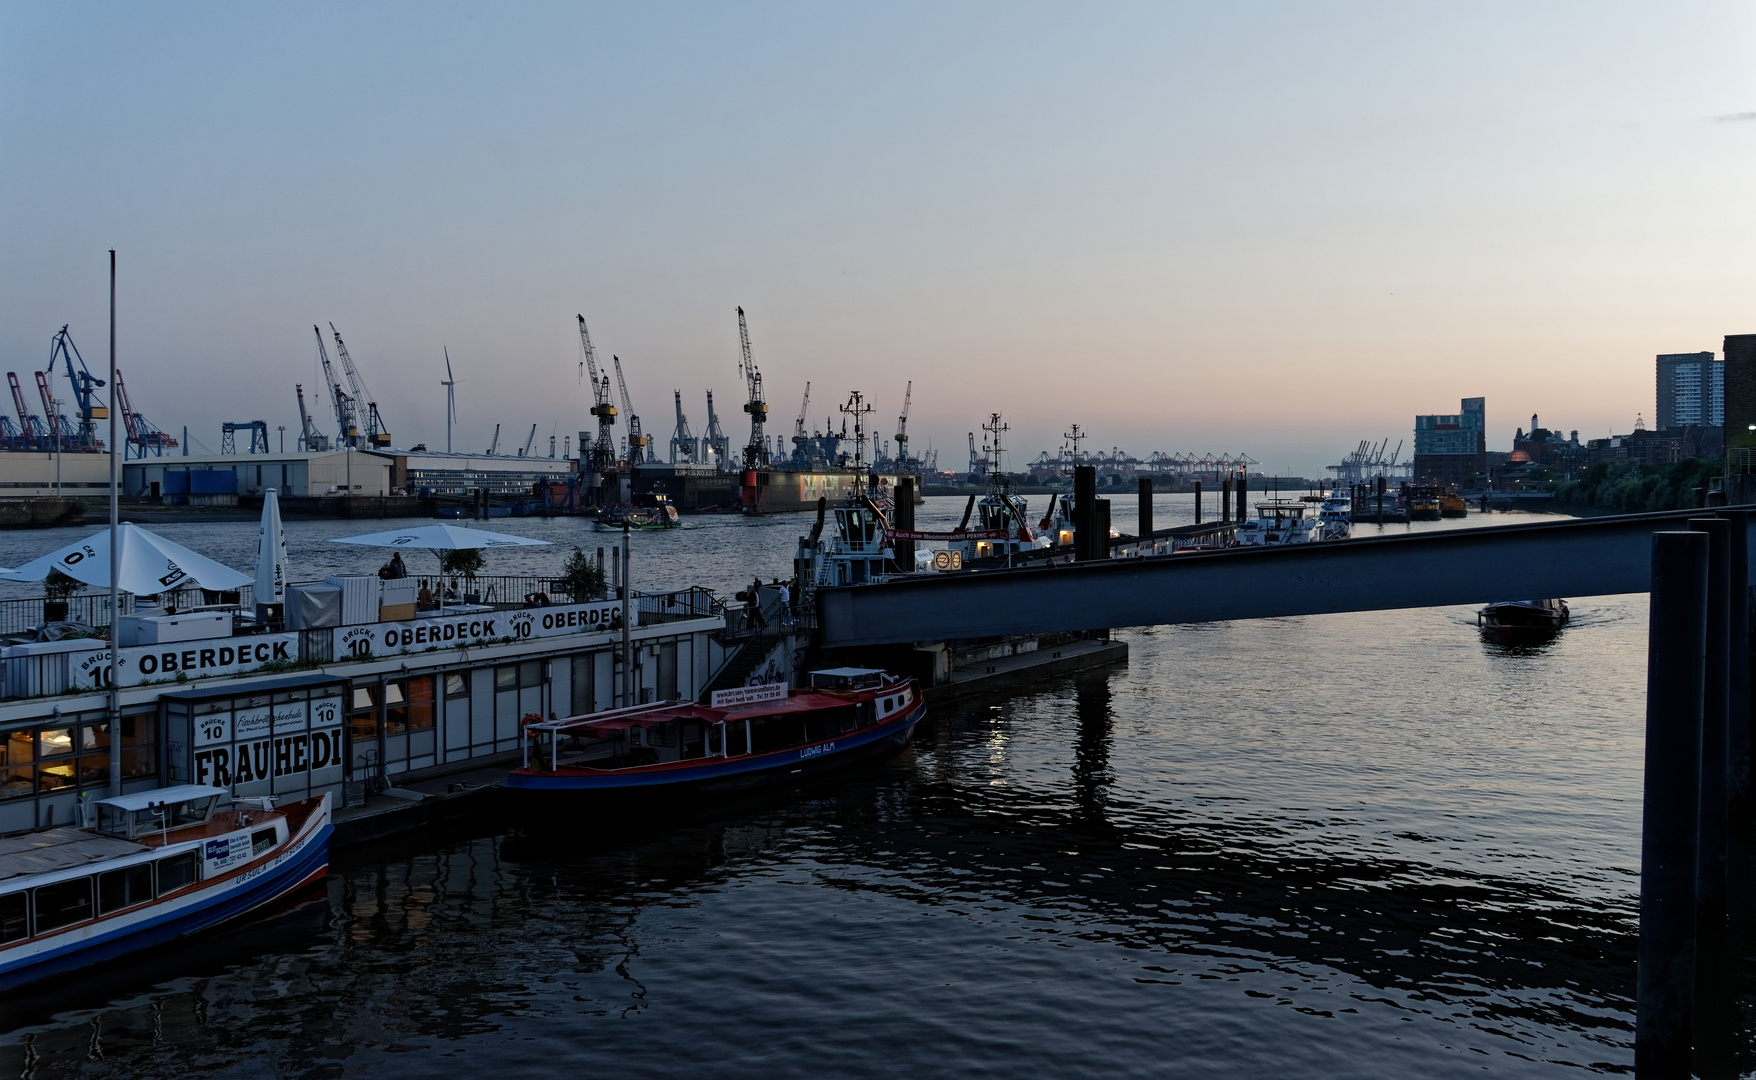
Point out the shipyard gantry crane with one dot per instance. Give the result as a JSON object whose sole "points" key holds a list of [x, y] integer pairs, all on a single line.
{"points": [[603, 451], [908, 397], [715, 441], [346, 414], [802, 441], [141, 434], [638, 450], [32, 429], [309, 438], [61, 430], [756, 452], [377, 436], [84, 384], [683, 443]]}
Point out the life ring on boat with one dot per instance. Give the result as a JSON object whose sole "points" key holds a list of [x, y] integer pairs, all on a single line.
{"points": [[526, 721]]}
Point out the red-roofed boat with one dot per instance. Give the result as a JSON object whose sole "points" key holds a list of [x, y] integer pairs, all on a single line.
{"points": [[750, 737]]}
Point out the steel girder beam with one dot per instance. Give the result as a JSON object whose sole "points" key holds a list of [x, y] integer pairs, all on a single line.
{"points": [[1591, 557]]}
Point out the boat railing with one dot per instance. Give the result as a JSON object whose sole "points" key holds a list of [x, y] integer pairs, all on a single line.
{"points": [[695, 602]]}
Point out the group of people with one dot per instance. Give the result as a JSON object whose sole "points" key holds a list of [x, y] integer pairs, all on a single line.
{"points": [[785, 597], [428, 600]]}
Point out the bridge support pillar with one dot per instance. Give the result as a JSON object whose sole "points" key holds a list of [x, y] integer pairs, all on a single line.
{"points": [[1675, 683]]}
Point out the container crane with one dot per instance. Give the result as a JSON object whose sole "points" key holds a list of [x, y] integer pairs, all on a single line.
{"points": [[603, 451], [141, 434], [346, 414], [84, 382], [495, 445], [60, 427], [31, 428], [715, 441], [756, 452], [683, 440], [377, 437], [529, 442], [309, 438], [638, 444], [908, 396]]}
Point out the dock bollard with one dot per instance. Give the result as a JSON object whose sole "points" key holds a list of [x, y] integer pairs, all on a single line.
{"points": [[1675, 676]]}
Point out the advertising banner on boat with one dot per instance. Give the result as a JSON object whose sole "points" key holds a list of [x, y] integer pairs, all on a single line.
{"points": [[278, 749], [185, 660], [478, 628], [747, 695]]}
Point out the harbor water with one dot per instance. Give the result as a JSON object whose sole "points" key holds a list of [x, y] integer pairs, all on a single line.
{"points": [[1365, 845]]}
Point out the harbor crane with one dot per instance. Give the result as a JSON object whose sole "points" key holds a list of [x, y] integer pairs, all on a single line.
{"points": [[60, 428], [638, 444], [309, 439], [603, 451], [495, 445], [140, 432], [715, 443], [529, 442], [258, 430], [377, 437], [32, 429], [84, 382], [756, 452], [908, 396], [346, 414], [450, 385], [683, 443], [801, 441]]}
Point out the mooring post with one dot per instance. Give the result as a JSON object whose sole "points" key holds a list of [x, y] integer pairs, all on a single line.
{"points": [[1197, 502], [1100, 534], [1712, 831], [1225, 502], [904, 550], [1738, 671], [1084, 511], [1145, 512], [1675, 677], [1243, 492]]}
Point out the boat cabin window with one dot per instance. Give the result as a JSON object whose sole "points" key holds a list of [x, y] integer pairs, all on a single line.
{"points": [[261, 840], [14, 921], [693, 742], [846, 679], [63, 904], [176, 872], [126, 887]]}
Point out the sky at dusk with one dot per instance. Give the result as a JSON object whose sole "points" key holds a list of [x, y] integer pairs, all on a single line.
{"points": [[1270, 228]]}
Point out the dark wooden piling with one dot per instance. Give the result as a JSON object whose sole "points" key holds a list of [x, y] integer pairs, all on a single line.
{"points": [[1146, 510], [1100, 534], [1084, 511], [1675, 679], [904, 550], [1710, 883], [1197, 502], [1738, 673], [1243, 496], [1225, 501]]}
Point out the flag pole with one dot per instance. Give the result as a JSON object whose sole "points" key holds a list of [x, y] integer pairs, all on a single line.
{"points": [[115, 699]]}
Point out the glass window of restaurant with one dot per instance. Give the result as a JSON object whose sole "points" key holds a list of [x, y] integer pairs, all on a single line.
{"points": [[409, 715], [72, 757], [518, 689]]}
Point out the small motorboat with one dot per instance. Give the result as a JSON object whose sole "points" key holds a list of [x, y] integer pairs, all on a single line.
{"points": [[1508, 617], [749, 737], [159, 866], [638, 518]]}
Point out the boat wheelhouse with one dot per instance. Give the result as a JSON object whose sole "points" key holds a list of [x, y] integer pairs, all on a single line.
{"points": [[158, 866], [1277, 523], [750, 736], [1335, 516]]}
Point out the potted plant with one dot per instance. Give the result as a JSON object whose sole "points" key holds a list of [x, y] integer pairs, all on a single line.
{"points": [[57, 588], [465, 561], [581, 577]]}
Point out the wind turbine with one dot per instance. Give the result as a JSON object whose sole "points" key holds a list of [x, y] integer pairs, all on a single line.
{"points": [[450, 385]]}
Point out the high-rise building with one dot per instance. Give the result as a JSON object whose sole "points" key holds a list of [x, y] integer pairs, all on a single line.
{"points": [[1691, 391], [1453, 448]]}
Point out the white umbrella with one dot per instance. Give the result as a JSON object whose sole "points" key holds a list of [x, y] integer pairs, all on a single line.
{"points": [[149, 564], [271, 553], [439, 538]]}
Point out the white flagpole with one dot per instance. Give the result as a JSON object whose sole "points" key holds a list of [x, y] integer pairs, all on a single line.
{"points": [[115, 703]]}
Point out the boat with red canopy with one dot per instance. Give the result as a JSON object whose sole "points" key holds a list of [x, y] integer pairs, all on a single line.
{"points": [[748, 737]]}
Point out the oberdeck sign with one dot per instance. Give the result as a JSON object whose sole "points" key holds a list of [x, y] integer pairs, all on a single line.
{"points": [[140, 664], [454, 631]]}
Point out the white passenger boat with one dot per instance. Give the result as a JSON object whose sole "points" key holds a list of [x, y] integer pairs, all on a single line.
{"points": [[1277, 523], [159, 866], [1335, 516]]}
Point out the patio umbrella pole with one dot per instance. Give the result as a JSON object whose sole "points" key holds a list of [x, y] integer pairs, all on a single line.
{"points": [[115, 698]]}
